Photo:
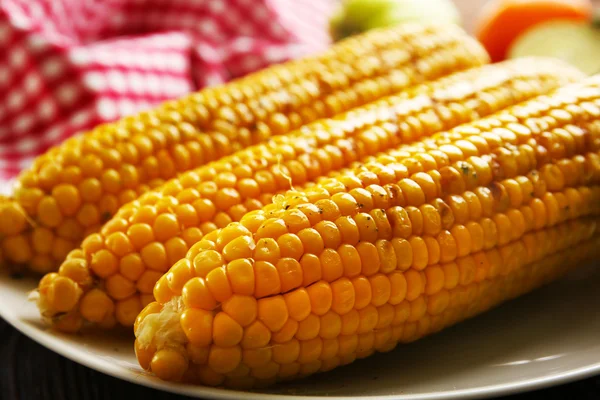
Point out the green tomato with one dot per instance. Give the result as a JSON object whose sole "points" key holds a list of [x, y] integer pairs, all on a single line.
{"points": [[355, 16], [577, 43]]}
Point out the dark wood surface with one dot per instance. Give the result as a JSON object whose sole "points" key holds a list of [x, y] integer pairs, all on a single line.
{"points": [[30, 371]]}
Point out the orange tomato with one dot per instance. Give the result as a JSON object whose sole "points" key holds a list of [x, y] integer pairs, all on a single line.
{"points": [[502, 21]]}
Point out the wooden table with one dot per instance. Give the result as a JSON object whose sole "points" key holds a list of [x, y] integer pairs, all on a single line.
{"points": [[29, 371]]}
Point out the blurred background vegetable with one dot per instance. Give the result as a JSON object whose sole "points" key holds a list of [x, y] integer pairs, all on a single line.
{"points": [[502, 21], [355, 16], [575, 42]]}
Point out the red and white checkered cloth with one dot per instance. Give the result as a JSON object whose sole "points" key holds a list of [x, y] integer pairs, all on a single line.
{"points": [[68, 65]]}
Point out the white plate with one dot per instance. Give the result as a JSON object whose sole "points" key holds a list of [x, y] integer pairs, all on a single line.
{"points": [[545, 338]]}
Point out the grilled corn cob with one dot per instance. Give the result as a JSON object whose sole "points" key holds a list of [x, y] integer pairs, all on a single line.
{"points": [[74, 188], [308, 343], [147, 236], [376, 256]]}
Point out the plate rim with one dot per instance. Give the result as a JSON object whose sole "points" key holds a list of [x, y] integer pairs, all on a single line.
{"points": [[61, 347]]}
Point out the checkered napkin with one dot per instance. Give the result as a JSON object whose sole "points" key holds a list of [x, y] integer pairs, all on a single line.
{"points": [[67, 65]]}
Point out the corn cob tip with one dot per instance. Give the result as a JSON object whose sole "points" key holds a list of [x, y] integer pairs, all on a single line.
{"points": [[159, 327], [14, 244], [70, 295], [57, 298]]}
